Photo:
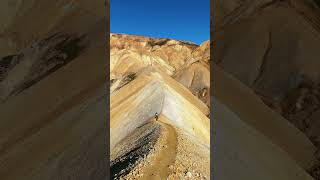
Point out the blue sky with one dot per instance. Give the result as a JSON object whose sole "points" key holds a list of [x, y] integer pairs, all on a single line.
{"points": [[178, 19]]}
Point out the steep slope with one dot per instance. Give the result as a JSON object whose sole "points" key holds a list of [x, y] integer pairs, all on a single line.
{"points": [[273, 49], [131, 54], [247, 153], [251, 141], [196, 77], [133, 107], [63, 33], [52, 90], [50, 127], [249, 136], [254, 112]]}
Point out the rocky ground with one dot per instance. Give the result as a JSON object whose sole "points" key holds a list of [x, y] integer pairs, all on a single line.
{"points": [[161, 152]]}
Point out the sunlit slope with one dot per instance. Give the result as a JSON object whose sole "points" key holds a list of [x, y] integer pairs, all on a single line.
{"points": [[184, 61], [196, 77], [149, 76], [241, 152], [32, 49], [151, 92], [52, 90], [251, 110], [47, 127], [19, 28], [182, 123], [272, 48]]}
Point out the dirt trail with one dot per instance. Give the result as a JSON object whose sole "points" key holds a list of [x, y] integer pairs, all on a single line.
{"points": [[165, 153]]}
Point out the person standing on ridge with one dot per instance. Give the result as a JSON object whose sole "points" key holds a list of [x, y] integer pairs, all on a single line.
{"points": [[156, 116]]}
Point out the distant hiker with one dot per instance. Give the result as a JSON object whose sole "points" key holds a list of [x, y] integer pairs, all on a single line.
{"points": [[156, 116]]}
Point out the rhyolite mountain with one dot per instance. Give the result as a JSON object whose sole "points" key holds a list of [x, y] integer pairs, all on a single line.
{"points": [[53, 95], [170, 78]]}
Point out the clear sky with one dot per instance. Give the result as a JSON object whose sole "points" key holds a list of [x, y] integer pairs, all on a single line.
{"points": [[178, 19]]}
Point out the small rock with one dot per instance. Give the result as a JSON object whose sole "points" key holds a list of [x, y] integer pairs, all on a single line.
{"points": [[189, 174]]}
